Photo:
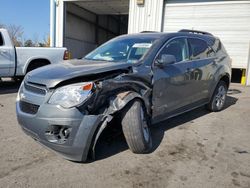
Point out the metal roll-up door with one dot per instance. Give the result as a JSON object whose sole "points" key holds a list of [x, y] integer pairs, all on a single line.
{"points": [[229, 20]]}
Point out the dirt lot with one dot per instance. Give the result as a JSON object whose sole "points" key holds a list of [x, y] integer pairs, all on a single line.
{"points": [[197, 149]]}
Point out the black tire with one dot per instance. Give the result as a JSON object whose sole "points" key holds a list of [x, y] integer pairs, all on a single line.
{"points": [[135, 128], [217, 102], [18, 79]]}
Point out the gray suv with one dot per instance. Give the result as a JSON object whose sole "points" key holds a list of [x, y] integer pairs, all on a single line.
{"points": [[141, 79]]}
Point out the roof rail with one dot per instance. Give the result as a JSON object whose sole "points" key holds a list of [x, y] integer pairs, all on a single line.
{"points": [[195, 32], [149, 32]]}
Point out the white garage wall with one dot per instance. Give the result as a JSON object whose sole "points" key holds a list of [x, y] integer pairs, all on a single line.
{"points": [[229, 20], [145, 18]]}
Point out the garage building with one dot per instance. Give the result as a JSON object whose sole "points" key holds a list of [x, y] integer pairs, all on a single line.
{"points": [[82, 25]]}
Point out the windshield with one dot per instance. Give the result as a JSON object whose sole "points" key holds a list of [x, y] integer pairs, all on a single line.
{"points": [[122, 49]]}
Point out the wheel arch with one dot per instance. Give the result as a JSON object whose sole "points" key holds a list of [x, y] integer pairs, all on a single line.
{"points": [[122, 99], [224, 77], [36, 62], [117, 105]]}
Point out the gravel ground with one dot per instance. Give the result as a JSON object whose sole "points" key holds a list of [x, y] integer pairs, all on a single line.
{"points": [[196, 149]]}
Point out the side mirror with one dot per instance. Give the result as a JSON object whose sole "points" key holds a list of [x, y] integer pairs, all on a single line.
{"points": [[165, 59]]}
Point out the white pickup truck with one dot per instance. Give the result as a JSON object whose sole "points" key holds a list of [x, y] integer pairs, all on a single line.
{"points": [[15, 62]]}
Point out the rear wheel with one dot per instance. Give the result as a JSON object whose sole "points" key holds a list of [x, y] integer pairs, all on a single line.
{"points": [[218, 99], [135, 128]]}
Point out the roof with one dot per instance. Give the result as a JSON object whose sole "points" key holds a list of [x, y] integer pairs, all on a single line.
{"points": [[157, 35]]}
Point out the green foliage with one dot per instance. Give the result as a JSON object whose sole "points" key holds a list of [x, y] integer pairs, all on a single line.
{"points": [[28, 43]]}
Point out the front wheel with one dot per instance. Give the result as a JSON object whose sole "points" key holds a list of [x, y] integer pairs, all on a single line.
{"points": [[135, 128], [218, 99]]}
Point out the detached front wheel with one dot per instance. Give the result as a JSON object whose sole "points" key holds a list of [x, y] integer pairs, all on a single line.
{"points": [[218, 99], [135, 128]]}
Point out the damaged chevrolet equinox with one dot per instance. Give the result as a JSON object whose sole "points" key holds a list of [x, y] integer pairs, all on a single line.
{"points": [[142, 78]]}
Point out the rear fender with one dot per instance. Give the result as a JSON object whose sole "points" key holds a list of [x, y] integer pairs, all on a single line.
{"points": [[221, 71]]}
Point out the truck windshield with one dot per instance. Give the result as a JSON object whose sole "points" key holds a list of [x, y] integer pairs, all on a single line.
{"points": [[122, 49]]}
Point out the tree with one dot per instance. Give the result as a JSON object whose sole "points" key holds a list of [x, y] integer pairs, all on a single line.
{"points": [[16, 34], [2, 25], [35, 39], [40, 44], [46, 41], [28, 43]]}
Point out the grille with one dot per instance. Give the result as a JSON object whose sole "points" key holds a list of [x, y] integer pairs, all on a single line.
{"points": [[28, 107], [35, 89]]}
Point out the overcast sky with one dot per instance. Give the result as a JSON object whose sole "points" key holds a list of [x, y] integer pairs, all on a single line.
{"points": [[32, 15]]}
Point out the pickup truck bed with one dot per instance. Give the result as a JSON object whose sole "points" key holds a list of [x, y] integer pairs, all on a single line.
{"points": [[17, 61]]}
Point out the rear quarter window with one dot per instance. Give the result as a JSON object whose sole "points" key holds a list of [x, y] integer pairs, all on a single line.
{"points": [[211, 52], [218, 48]]}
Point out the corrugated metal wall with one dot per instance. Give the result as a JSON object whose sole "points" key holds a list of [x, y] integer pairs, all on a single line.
{"points": [[79, 36], [229, 20], [145, 18], [85, 30]]}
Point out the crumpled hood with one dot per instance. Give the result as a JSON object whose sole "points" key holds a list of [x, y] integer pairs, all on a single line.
{"points": [[52, 75]]}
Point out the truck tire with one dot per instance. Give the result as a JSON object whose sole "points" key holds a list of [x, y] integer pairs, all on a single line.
{"points": [[135, 128], [217, 102], [18, 78]]}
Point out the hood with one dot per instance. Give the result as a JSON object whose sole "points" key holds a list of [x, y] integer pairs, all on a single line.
{"points": [[52, 75]]}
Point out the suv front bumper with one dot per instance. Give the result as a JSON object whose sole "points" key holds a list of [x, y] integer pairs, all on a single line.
{"points": [[82, 129]]}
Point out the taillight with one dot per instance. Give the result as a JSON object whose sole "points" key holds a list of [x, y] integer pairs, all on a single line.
{"points": [[66, 55]]}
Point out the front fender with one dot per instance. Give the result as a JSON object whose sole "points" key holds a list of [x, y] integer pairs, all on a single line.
{"points": [[122, 99], [118, 103]]}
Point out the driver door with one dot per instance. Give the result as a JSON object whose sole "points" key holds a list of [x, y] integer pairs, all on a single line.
{"points": [[171, 82]]}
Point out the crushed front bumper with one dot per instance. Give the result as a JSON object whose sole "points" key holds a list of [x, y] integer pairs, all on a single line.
{"points": [[82, 129]]}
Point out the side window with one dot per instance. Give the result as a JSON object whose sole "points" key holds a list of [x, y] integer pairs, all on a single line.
{"points": [[177, 48], [137, 53], [198, 49], [1, 40]]}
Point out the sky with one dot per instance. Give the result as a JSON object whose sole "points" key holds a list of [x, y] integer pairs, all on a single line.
{"points": [[32, 15]]}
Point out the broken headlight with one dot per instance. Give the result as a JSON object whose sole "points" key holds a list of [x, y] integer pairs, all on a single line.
{"points": [[71, 95]]}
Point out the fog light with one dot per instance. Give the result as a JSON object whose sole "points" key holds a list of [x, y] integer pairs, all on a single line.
{"points": [[65, 132], [57, 134]]}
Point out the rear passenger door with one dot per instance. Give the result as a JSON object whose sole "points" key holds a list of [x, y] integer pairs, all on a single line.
{"points": [[201, 69]]}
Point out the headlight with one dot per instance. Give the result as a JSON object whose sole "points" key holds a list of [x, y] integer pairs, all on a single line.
{"points": [[71, 95], [20, 90]]}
